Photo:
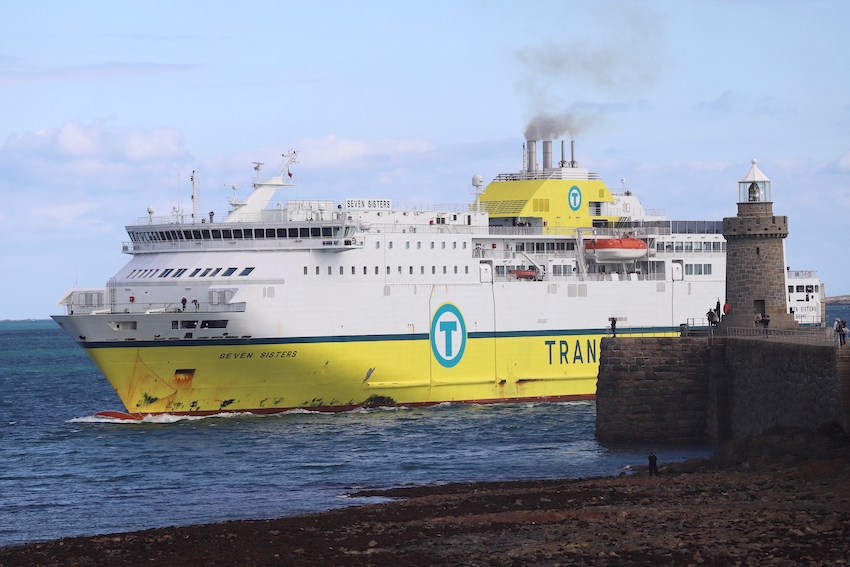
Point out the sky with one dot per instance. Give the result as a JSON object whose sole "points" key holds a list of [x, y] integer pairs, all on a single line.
{"points": [[106, 109]]}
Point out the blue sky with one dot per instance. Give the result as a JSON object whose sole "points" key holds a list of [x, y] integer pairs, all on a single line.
{"points": [[107, 108]]}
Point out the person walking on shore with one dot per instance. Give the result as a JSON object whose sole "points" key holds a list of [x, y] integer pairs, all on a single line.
{"points": [[653, 464]]}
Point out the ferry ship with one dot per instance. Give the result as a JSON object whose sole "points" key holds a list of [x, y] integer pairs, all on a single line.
{"points": [[333, 306]]}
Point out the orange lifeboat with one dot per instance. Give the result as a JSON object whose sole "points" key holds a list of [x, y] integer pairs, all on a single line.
{"points": [[524, 274], [615, 249]]}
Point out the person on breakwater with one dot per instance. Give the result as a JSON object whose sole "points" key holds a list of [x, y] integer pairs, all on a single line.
{"points": [[653, 464], [839, 330]]}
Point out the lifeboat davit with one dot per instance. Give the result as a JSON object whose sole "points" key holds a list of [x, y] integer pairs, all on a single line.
{"points": [[615, 249]]}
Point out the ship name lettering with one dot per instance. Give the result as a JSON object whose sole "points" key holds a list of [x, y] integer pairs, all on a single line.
{"points": [[279, 354], [562, 354], [230, 355]]}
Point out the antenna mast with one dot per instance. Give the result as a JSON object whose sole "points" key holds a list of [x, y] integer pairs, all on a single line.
{"points": [[196, 197]]}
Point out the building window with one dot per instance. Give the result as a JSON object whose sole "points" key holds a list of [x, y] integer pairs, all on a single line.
{"points": [[706, 269]]}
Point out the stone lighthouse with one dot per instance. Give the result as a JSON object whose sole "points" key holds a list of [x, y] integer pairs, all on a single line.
{"points": [[755, 258]]}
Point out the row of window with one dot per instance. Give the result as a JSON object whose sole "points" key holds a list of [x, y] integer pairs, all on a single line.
{"points": [[804, 289], [238, 233], [177, 272], [690, 246], [697, 269], [400, 270], [419, 245]]}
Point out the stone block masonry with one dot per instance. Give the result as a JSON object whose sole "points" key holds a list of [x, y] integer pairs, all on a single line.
{"points": [[700, 389], [652, 389]]}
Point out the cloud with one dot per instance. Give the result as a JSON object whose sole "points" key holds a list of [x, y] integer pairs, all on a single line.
{"points": [[333, 151], [731, 102], [94, 72], [75, 141]]}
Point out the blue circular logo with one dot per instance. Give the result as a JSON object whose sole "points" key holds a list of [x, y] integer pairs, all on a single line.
{"points": [[448, 335], [574, 198]]}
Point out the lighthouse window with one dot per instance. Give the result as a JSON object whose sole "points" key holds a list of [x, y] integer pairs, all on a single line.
{"points": [[305, 270], [246, 271], [329, 271], [376, 270], [341, 271], [317, 270], [352, 270], [365, 270]]}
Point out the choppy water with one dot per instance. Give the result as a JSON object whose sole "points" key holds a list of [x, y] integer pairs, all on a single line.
{"points": [[64, 472]]}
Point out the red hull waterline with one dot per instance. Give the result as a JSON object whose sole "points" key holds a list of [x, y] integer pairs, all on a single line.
{"points": [[126, 416]]}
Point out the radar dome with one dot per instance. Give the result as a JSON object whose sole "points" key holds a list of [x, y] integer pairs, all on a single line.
{"points": [[477, 180]]}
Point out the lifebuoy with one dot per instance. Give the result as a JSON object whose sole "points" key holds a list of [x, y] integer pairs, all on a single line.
{"points": [[132, 298], [411, 229], [727, 309]]}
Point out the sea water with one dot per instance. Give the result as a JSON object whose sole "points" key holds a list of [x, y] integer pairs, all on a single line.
{"points": [[65, 472]]}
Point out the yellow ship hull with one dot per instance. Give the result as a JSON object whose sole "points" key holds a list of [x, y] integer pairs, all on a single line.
{"points": [[340, 374]]}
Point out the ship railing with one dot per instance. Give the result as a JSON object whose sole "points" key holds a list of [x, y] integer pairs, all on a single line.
{"points": [[403, 228], [556, 173], [808, 335], [575, 277], [244, 244], [801, 274], [147, 308]]}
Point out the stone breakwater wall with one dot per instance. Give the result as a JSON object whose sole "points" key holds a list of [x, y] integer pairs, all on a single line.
{"points": [[699, 389]]}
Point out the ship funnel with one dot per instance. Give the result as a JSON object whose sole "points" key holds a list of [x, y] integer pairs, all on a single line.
{"points": [[547, 154], [532, 156], [573, 162]]}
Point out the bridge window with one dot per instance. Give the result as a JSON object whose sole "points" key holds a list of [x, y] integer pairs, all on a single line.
{"points": [[229, 272], [246, 271]]}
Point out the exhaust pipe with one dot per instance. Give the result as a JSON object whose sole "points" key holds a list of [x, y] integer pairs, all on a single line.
{"points": [[547, 155], [532, 156]]}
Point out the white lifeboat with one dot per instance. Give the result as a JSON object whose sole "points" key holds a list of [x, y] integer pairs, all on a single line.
{"points": [[615, 249]]}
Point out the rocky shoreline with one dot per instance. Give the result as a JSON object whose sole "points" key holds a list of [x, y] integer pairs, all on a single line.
{"points": [[779, 499]]}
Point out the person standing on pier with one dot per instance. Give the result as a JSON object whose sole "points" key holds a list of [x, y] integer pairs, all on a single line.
{"points": [[653, 464]]}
